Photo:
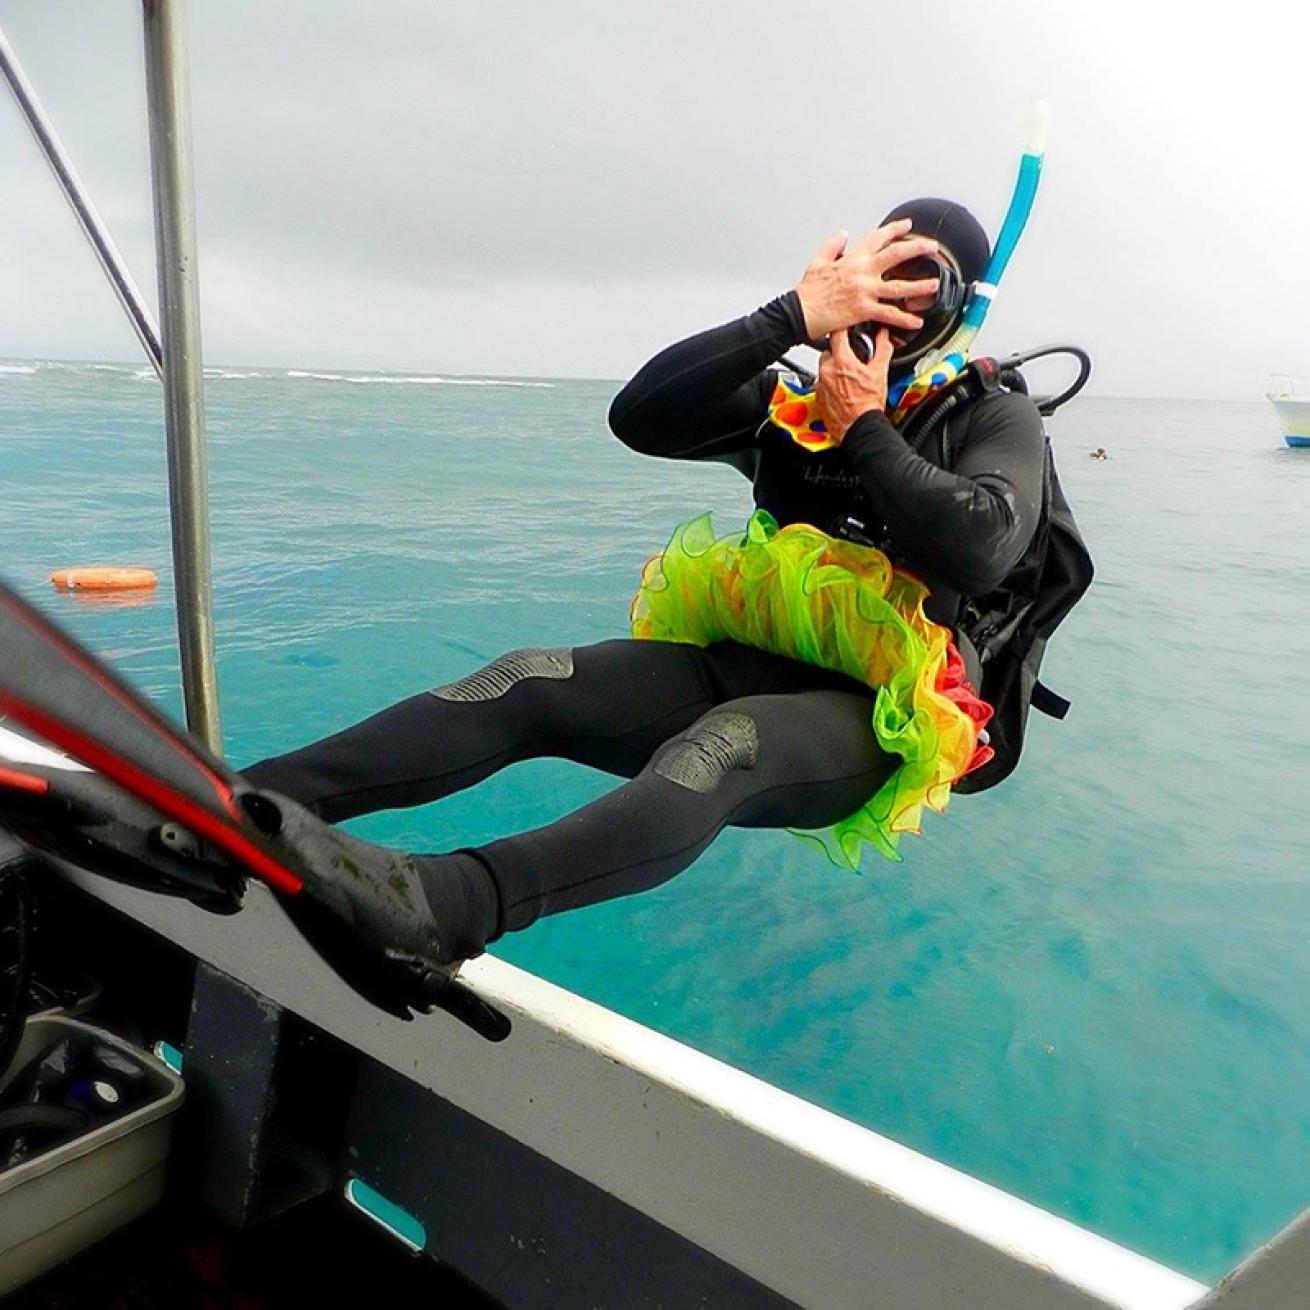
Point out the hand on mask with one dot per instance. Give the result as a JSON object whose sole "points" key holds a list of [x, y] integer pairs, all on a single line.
{"points": [[847, 388], [842, 287]]}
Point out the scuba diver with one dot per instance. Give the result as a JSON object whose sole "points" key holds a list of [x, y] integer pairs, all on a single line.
{"points": [[715, 723], [821, 672]]}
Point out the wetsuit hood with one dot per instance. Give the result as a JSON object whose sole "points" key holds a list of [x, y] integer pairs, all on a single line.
{"points": [[954, 227], [964, 239]]}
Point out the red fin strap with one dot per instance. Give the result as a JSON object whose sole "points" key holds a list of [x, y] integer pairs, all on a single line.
{"points": [[23, 782]]}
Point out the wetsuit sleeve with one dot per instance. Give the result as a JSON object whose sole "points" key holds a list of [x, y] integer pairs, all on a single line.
{"points": [[705, 397], [966, 528]]}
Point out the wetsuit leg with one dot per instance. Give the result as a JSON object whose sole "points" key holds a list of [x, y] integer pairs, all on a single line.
{"points": [[805, 759], [608, 706]]}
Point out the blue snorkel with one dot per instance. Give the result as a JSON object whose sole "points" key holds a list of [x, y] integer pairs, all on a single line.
{"points": [[1021, 203], [939, 365]]}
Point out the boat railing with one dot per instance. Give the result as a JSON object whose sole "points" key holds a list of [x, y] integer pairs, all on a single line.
{"points": [[174, 353], [1288, 386]]}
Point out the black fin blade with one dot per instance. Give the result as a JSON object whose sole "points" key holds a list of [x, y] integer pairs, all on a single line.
{"points": [[44, 672], [56, 688]]}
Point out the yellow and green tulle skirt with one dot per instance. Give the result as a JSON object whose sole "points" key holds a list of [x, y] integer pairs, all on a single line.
{"points": [[796, 591]]}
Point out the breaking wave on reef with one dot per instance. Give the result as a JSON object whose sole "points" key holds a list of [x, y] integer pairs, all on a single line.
{"points": [[413, 381]]}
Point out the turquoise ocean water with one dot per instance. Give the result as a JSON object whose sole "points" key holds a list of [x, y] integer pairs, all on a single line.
{"points": [[1090, 986]]}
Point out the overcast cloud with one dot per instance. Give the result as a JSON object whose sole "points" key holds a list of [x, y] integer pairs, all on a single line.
{"points": [[562, 188]]}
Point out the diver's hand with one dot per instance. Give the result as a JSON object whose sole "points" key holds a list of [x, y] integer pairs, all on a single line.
{"points": [[842, 287], [847, 388]]}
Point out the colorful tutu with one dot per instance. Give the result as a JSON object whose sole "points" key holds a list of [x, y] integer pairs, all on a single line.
{"points": [[798, 592]]}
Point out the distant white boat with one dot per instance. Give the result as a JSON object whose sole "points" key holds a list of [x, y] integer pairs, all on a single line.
{"points": [[1291, 398]]}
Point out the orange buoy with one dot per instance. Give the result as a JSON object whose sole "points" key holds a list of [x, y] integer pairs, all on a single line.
{"points": [[104, 579]]}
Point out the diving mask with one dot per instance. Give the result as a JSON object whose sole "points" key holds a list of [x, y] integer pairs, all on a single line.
{"points": [[940, 318]]}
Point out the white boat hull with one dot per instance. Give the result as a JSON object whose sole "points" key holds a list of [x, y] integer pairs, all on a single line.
{"points": [[1293, 418]]}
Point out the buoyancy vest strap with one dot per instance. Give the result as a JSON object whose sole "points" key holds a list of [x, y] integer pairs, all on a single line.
{"points": [[1047, 701]]}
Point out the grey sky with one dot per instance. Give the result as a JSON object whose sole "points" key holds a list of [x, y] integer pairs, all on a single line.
{"points": [[562, 188]]}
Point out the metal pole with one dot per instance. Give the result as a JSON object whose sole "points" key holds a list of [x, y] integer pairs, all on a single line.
{"points": [[62, 167], [168, 101]]}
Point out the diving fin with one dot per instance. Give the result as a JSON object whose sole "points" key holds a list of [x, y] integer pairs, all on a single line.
{"points": [[81, 817], [60, 691], [359, 905]]}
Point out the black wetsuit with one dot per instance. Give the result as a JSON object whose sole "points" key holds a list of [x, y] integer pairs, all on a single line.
{"points": [[706, 737], [962, 531]]}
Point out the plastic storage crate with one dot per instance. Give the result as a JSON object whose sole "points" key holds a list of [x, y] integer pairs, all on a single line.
{"points": [[60, 1202]]}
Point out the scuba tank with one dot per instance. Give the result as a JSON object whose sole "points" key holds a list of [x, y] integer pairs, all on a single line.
{"points": [[1010, 626]]}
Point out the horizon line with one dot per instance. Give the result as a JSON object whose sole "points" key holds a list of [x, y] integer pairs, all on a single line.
{"points": [[145, 363]]}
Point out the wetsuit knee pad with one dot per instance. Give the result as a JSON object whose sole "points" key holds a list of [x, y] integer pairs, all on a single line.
{"points": [[508, 671], [710, 750]]}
